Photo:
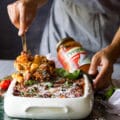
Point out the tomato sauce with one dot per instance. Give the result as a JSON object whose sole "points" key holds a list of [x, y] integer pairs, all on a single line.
{"points": [[72, 55]]}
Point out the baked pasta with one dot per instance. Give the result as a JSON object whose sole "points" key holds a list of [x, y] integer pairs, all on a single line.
{"points": [[37, 76]]}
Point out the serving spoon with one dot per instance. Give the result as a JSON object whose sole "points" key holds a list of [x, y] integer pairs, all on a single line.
{"points": [[24, 43]]}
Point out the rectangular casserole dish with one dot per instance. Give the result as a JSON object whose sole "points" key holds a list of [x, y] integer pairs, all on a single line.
{"points": [[49, 108]]}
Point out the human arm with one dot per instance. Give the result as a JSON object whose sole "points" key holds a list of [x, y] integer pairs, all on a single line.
{"points": [[105, 58], [115, 46], [23, 12]]}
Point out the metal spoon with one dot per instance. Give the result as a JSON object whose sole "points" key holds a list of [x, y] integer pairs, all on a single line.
{"points": [[24, 43]]}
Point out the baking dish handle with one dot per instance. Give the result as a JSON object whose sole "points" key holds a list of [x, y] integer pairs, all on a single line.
{"points": [[37, 110]]}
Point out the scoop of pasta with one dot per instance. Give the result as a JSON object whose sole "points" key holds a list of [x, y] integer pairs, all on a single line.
{"points": [[36, 67]]}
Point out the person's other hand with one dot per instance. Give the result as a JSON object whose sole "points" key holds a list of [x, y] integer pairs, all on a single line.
{"points": [[103, 60], [22, 13]]}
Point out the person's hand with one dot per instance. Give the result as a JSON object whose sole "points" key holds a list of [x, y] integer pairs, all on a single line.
{"points": [[22, 13], [104, 61]]}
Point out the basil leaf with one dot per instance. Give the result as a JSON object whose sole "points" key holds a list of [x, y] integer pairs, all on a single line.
{"points": [[63, 73], [109, 92], [29, 82]]}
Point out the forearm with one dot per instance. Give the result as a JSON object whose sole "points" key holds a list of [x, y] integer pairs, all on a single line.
{"points": [[114, 47]]}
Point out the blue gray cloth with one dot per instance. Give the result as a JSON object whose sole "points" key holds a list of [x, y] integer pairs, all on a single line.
{"points": [[91, 22]]}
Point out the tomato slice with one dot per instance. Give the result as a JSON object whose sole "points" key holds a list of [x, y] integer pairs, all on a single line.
{"points": [[4, 84]]}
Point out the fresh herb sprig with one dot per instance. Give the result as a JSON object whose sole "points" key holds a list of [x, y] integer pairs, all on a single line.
{"points": [[63, 73]]}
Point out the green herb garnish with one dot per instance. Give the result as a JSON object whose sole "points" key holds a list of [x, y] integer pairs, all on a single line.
{"points": [[63, 73], [49, 84], [109, 92], [67, 84], [30, 82]]}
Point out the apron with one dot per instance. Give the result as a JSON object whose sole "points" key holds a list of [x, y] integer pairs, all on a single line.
{"points": [[91, 22]]}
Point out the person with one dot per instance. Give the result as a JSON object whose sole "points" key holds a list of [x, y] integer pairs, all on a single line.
{"points": [[95, 24]]}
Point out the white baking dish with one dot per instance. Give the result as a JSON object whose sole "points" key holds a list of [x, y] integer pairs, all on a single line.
{"points": [[49, 108]]}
